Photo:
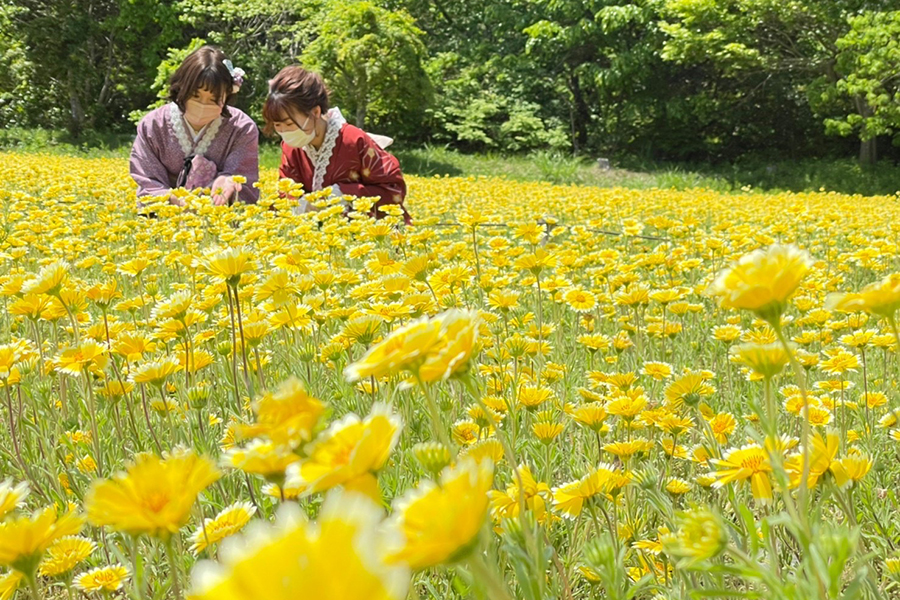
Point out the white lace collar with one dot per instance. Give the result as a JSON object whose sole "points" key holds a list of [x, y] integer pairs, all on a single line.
{"points": [[322, 157], [179, 128]]}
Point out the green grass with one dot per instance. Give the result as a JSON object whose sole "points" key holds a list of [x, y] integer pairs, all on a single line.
{"points": [[839, 175]]}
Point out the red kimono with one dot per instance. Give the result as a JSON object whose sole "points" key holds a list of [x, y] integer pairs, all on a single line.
{"points": [[349, 158]]}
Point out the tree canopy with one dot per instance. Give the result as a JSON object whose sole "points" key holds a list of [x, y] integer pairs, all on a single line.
{"points": [[655, 79]]}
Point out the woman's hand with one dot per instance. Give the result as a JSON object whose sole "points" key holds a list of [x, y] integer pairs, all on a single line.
{"points": [[175, 200], [224, 188]]}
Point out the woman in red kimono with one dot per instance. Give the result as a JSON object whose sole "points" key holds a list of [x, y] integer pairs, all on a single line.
{"points": [[320, 149]]}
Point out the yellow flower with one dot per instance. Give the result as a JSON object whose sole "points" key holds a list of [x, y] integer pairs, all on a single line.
{"points": [[748, 462], [459, 334], [336, 558], [24, 540], [580, 300], [591, 415], [762, 281], [881, 298], [546, 431], [531, 397], [505, 505], [49, 280], [537, 262], [75, 360], [677, 486], [688, 389], [102, 579], [850, 469], [261, 457], [569, 498], [286, 417], [349, 453], [489, 448], [627, 407], [628, 449], [821, 458], [103, 294], [657, 370], [767, 360], [840, 362], [229, 265], [405, 348], [9, 583], [436, 524], [722, 425], [154, 496], [65, 554], [228, 522], [155, 372], [11, 497]]}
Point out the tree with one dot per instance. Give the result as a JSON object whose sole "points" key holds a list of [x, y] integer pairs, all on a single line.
{"points": [[752, 46], [602, 53], [15, 69], [372, 59], [869, 63]]}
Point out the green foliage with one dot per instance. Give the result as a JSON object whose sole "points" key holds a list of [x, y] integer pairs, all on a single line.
{"points": [[478, 110], [372, 59], [15, 70], [868, 60], [672, 80]]}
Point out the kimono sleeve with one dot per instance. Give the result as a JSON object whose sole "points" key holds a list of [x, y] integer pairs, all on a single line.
{"points": [[243, 159], [379, 174], [146, 166]]}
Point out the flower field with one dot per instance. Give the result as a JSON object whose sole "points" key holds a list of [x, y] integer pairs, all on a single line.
{"points": [[533, 392]]}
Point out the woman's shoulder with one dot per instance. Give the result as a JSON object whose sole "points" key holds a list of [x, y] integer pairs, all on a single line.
{"points": [[156, 118], [352, 134], [240, 120]]}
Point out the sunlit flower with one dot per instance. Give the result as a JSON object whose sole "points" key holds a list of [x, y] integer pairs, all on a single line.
{"points": [[23, 540], [11, 496], [349, 453], [766, 360], [434, 524], [335, 558], [229, 521], [153, 496], [762, 281], [286, 417], [740, 464], [102, 579], [65, 554]]}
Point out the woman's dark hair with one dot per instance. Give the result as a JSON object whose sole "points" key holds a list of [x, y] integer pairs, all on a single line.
{"points": [[203, 69], [293, 90]]}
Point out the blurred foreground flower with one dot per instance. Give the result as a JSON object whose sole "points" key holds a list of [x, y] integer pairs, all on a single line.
{"points": [[335, 558], [435, 524], [762, 281]]}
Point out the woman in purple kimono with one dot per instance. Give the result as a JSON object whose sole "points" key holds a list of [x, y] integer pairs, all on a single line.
{"points": [[197, 140]]}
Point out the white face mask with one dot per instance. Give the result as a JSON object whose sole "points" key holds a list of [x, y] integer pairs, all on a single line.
{"points": [[201, 115], [298, 138]]}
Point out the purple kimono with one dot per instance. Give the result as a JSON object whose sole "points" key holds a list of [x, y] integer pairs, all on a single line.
{"points": [[164, 140]]}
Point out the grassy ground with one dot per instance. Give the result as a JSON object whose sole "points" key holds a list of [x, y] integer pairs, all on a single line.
{"points": [[839, 175]]}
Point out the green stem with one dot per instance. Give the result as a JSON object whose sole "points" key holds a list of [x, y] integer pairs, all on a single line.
{"points": [[176, 570], [497, 588], [804, 436], [138, 571], [439, 432], [92, 407]]}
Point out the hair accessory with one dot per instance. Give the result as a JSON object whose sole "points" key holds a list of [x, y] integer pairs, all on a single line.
{"points": [[237, 74]]}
